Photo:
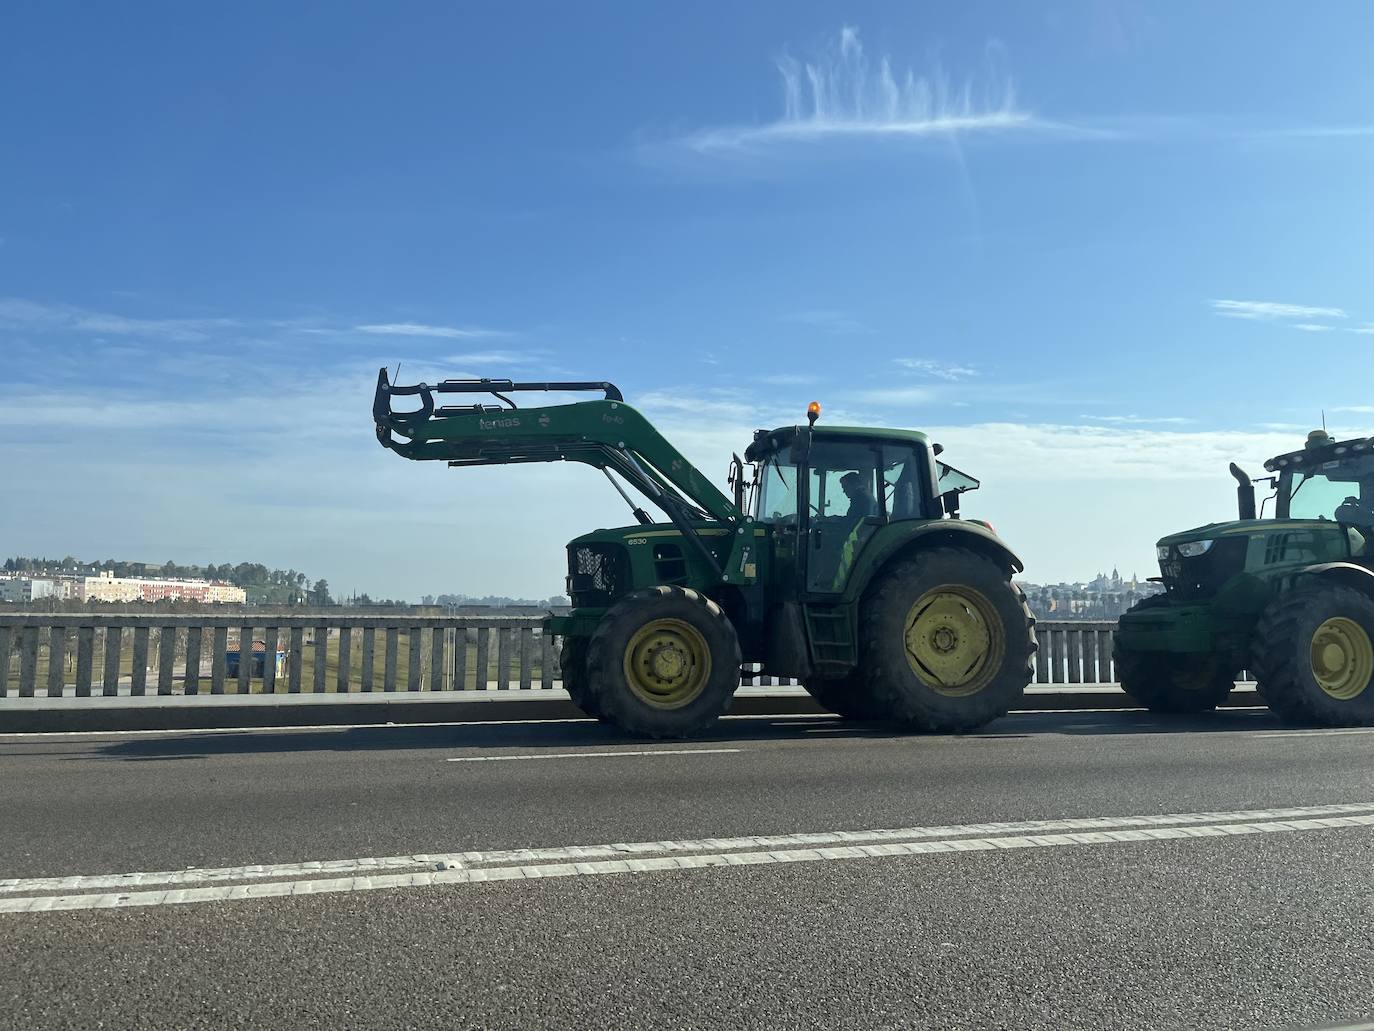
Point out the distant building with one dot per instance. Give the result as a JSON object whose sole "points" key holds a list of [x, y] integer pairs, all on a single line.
{"points": [[28, 588], [1105, 597], [110, 588]]}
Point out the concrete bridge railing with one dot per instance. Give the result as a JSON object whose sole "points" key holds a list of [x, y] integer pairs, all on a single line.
{"points": [[92, 654]]}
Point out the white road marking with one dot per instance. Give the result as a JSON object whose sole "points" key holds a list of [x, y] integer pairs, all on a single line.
{"points": [[591, 755], [1318, 733], [339, 728], [424, 864], [277, 889]]}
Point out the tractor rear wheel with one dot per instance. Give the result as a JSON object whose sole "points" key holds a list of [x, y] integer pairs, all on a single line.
{"points": [[848, 697], [1165, 682], [663, 662], [947, 641], [573, 662], [1314, 656]]}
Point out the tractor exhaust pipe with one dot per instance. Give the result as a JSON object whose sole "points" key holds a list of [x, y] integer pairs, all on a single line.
{"points": [[1245, 492]]}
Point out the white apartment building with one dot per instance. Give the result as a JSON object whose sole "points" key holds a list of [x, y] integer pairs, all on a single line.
{"points": [[111, 588]]}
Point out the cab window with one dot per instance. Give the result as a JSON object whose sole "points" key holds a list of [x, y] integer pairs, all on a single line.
{"points": [[777, 489]]}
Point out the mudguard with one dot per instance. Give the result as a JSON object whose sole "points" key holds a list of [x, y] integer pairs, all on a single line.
{"points": [[901, 538]]}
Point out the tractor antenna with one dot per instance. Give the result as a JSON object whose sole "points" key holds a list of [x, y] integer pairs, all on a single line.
{"points": [[1323, 420]]}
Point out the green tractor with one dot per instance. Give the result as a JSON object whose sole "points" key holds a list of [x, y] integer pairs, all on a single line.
{"points": [[838, 559], [1290, 597]]}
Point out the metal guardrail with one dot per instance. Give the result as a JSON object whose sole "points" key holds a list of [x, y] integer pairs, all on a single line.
{"points": [[108, 655]]}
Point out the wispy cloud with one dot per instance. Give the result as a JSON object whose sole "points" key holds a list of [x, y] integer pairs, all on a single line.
{"points": [[1139, 420], [1367, 329], [417, 329], [897, 396], [494, 358], [940, 370], [787, 380], [1356, 409], [1270, 310], [836, 322], [1313, 327], [32, 316], [840, 94]]}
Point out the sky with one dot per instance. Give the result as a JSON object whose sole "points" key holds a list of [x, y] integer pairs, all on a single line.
{"points": [[1098, 249]]}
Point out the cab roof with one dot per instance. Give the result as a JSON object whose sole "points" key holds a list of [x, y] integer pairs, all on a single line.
{"points": [[768, 441], [1321, 449]]}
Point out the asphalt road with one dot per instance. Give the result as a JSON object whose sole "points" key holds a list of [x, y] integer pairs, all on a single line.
{"points": [[1059, 870]]}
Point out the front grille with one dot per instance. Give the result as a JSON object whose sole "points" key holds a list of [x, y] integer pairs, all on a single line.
{"points": [[1193, 579], [597, 574]]}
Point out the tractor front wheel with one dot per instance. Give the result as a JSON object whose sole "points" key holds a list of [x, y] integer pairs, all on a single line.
{"points": [[1167, 683], [663, 662], [1314, 656], [573, 662], [948, 642]]}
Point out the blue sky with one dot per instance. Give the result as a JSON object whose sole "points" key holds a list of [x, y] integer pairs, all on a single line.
{"points": [[1098, 248]]}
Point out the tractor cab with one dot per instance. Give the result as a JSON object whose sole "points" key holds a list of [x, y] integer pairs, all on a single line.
{"points": [[834, 488], [1330, 481]]}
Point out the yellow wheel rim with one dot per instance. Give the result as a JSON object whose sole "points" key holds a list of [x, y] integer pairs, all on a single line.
{"points": [[1342, 658], [954, 640], [667, 663]]}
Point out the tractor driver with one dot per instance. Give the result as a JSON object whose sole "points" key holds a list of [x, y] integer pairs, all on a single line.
{"points": [[1359, 510], [862, 503]]}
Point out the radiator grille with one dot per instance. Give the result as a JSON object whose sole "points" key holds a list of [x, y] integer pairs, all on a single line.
{"points": [[597, 574]]}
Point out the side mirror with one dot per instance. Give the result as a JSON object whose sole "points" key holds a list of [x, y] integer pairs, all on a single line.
{"points": [[736, 480], [950, 501]]}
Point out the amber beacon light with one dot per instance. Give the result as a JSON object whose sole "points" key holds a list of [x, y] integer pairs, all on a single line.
{"points": [[813, 412]]}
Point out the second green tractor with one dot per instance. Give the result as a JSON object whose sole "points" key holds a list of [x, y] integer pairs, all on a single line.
{"points": [[1290, 598]]}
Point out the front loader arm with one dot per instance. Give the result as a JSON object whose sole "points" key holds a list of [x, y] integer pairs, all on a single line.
{"points": [[604, 434]]}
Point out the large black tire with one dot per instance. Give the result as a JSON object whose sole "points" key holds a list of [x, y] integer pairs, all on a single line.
{"points": [[1165, 682], [1169, 682], [848, 697], [924, 614], [1293, 654], [573, 662], [663, 662]]}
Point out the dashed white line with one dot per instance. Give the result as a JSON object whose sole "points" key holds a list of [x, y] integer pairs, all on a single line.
{"points": [[424, 864], [591, 755], [111, 900]]}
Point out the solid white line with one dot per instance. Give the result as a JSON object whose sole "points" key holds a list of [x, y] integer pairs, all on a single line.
{"points": [[1317, 733], [689, 862], [591, 755], [441, 861], [342, 728]]}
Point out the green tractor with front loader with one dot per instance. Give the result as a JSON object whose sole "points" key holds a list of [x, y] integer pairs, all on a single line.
{"points": [[1290, 598], [838, 558]]}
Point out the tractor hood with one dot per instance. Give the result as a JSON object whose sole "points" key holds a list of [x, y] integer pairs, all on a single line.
{"points": [[1245, 528], [1237, 527]]}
